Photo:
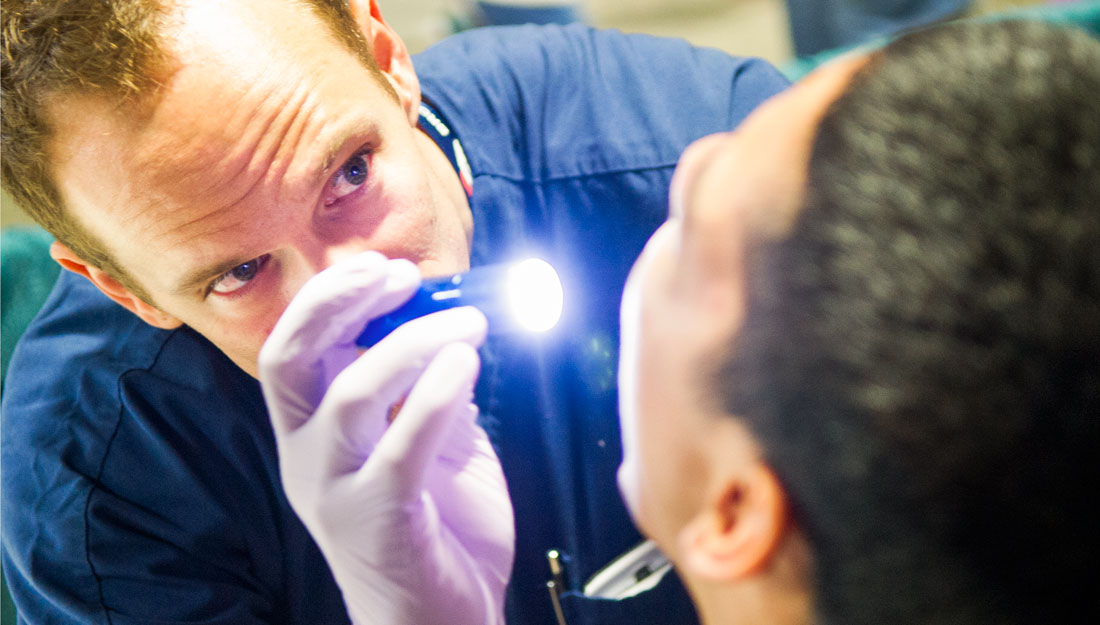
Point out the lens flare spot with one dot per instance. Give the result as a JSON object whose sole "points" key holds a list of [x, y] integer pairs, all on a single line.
{"points": [[535, 294]]}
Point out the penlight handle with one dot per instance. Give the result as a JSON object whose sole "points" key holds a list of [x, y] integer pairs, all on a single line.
{"points": [[479, 287]]}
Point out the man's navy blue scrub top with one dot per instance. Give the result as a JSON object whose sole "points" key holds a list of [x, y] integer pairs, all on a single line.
{"points": [[140, 478]]}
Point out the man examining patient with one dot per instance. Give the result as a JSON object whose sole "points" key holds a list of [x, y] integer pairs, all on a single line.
{"points": [[413, 519], [200, 161]]}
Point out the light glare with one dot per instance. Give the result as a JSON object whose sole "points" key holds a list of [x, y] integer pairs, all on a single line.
{"points": [[535, 294]]}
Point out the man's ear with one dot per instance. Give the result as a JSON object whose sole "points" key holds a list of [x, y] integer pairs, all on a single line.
{"points": [[739, 528], [391, 55], [112, 288]]}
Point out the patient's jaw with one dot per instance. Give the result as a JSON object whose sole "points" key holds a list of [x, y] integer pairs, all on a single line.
{"points": [[692, 476]]}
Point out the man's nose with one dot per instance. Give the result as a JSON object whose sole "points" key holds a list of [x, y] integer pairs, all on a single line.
{"points": [[320, 250], [334, 253]]}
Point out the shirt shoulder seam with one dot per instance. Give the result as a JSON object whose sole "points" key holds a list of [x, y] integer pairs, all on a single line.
{"points": [[94, 486], [613, 171]]}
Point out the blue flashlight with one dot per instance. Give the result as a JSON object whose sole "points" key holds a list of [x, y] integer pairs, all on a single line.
{"points": [[525, 295]]}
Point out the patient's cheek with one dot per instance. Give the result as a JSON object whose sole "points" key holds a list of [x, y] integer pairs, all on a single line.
{"points": [[629, 469]]}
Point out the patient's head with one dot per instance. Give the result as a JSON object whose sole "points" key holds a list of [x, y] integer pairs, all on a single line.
{"points": [[861, 362]]}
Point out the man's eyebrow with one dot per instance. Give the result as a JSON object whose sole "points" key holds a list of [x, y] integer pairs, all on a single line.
{"points": [[192, 280], [334, 145], [332, 148]]}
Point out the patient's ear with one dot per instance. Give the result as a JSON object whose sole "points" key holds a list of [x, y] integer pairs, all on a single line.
{"points": [[112, 288], [739, 528]]}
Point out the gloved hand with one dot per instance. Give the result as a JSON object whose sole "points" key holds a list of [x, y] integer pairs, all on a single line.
{"points": [[413, 517]]}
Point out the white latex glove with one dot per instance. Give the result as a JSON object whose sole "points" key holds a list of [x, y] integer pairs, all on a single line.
{"points": [[413, 517]]}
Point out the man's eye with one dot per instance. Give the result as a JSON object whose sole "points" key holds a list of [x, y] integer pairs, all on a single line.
{"points": [[239, 276], [351, 176]]}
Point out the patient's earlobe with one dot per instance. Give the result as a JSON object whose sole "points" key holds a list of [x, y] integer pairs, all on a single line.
{"points": [[112, 288], [738, 531]]}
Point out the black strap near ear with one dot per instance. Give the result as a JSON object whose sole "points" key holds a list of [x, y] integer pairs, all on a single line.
{"points": [[436, 127]]}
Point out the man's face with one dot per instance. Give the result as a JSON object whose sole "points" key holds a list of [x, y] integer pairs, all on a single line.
{"points": [[684, 302], [271, 153]]}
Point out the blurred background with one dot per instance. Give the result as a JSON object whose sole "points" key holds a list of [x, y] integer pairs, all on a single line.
{"points": [[741, 27]]}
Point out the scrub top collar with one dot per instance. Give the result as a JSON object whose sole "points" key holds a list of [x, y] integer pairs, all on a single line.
{"points": [[435, 126]]}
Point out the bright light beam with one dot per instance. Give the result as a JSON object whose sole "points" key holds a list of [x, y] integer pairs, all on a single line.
{"points": [[526, 295]]}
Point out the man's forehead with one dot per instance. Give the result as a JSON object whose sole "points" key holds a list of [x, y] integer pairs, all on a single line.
{"points": [[242, 33], [110, 155], [155, 173], [217, 73], [88, 133]]}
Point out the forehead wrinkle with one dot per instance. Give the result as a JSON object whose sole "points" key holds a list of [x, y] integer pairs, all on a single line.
{"points": [[299, 123], [250, 99], [315, 139], [219, 165], [213, 40], [219, 254], [217, 219]]}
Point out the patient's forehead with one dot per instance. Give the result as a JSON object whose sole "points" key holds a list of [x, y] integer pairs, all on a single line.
{"points": [[733, 188]]}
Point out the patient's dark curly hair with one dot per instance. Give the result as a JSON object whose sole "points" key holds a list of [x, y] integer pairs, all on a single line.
{"points": [[921, 358]]}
